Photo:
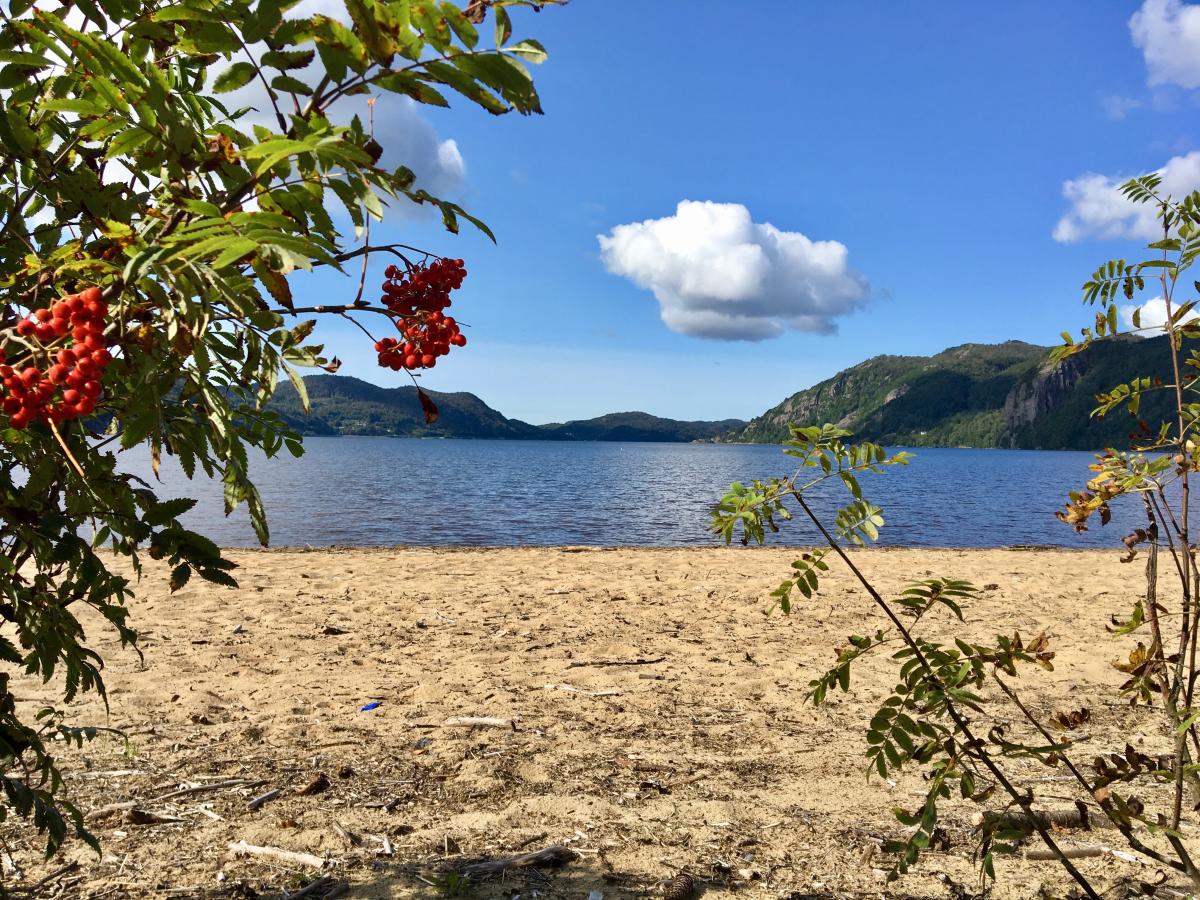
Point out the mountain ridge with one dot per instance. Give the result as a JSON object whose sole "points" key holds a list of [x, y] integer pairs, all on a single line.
{"points": [[1006, 395], [344, 405]]}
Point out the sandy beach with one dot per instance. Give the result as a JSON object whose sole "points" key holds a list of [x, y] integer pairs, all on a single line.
{"points": [[653, 721]]}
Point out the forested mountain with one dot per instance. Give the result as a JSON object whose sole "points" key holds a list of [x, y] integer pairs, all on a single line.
{"points": [[343, 405], [976, 395]]}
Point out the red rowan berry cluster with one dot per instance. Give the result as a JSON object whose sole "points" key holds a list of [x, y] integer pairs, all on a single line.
{"points": [[426, 340], [70, 384], [417, 297], [425, 288]]}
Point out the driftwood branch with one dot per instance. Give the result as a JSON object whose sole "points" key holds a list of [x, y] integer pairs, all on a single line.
{"points": [[555, 855], [571, 689], [485, 721], [1076, 817], [214, 786], [241, 848], [579, 664], [316, 886], [1084, 853], [261, 799]]}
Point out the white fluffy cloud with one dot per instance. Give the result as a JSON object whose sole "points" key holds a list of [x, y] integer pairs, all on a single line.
{"points": [[1168, 34], [1154, 314], [1099, 210], [718, 274]]}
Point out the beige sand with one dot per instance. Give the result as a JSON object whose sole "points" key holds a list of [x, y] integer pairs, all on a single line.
{"points": [[707, 760]]}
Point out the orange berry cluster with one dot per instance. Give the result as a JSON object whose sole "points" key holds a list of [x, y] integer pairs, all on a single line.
{"points": [[426, 340], [417, 297], [424, 288], [70, 385]]}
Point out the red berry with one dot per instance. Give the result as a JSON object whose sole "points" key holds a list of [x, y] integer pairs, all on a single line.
{"points": [[58, 374], [71, 396], [20, 418], [42, 315], [101, 357], [428, 361], [92, 389]]}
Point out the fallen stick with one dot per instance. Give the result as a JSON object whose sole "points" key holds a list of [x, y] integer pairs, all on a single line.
{"points": [[137, 816], [540, 836], [241, 848], [57, 873], [112, 809], [317, 884], [615, 662], [1084, 853], [214, 786], [261, 799], [1076, 817], [485, 721], [554, 855], [574, 690]]}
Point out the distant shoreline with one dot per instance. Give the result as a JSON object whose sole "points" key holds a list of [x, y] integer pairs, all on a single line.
{"points": [[542, 440]]}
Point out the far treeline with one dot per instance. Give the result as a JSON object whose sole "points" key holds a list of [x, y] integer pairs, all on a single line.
{"points": [[975, 395]]}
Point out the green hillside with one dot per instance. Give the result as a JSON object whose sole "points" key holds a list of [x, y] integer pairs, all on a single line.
{"points": [[637, 426], [977, 395], [344, 405], [951, 399]]}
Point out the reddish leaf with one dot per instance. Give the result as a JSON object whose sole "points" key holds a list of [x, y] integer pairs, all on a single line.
{"points": [[428, 407]]}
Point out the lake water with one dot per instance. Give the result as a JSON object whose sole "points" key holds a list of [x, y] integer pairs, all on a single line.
{"points": [[396, 491]]}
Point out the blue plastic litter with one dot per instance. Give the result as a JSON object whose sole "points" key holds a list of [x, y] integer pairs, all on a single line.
{"points": [[369, 706]]}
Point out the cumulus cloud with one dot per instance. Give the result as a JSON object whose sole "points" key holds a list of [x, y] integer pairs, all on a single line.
{"points": [[718, 274], [1099, 210], [1168, 34], [1154, 314]]}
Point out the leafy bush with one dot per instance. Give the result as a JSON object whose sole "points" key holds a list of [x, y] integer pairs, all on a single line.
{"points": [[939, 715], [149, 222]]}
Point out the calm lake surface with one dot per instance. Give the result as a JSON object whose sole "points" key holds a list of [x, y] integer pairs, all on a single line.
{"points": [[395, 491]]}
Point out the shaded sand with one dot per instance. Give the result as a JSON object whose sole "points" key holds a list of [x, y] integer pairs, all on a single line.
{"points": [[706, 759]]}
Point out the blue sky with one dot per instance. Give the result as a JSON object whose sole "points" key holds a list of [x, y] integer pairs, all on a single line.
{"points": [[933, 141]]}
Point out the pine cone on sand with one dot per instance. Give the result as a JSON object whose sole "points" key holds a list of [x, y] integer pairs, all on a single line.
{"points": [[681, 887]]}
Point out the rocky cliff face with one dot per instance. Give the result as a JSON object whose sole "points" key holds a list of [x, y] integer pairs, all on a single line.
{"points": [[1038, 395]]}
